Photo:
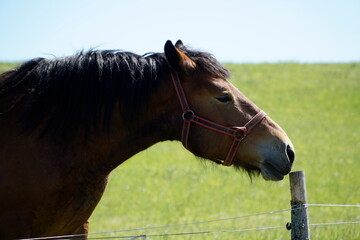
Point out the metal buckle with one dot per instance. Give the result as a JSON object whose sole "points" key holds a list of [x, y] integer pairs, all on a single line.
{"points": [[240, 133], [188, 115]]}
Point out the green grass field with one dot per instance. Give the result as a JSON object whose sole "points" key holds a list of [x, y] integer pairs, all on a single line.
{"points": [[319, 107]]}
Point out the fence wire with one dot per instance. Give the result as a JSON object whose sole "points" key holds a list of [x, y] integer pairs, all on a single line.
{"points": [[93, 235], [165, 226], [190, 233], [330, 205], [214, 232]]}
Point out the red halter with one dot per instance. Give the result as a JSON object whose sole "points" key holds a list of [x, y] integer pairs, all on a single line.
{"points": [[238, 133]]}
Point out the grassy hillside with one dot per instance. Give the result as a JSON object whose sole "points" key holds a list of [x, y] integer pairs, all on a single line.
{"points": [[319, 107], [6, 66]]}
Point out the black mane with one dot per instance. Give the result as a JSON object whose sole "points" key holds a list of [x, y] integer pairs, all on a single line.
{"points": [[80, 91], [207, 63]]}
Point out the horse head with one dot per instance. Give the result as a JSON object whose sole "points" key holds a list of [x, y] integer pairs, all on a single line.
{"points": [[219, 123]]}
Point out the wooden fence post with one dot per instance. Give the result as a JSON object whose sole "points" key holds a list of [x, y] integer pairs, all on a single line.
{"points": [[299, 212]]}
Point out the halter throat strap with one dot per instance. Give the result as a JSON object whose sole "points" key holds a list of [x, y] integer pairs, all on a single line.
{"points": [[238, 133]]}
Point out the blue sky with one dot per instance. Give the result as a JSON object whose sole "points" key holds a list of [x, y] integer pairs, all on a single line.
{"points": [[233, 30]]}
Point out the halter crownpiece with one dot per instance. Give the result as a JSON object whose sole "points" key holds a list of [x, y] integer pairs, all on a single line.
{"points": [[188, 116]]}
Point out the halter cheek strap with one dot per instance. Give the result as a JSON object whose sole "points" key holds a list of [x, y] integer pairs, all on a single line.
{"points": [[189, 117]]}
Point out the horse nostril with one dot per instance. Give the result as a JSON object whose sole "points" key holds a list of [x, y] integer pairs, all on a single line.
{"points": [[290, 153]]}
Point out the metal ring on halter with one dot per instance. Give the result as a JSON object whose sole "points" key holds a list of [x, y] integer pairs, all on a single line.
{"points": [[240, 133], [188, 115]]}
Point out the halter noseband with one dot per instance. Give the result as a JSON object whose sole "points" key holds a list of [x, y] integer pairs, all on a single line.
{"points": [[188, 116]]}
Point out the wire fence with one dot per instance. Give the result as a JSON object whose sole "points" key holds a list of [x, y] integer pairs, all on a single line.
{"points": [[219, 231], [145, 236]]}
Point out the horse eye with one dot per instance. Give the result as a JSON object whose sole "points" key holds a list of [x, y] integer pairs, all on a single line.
{"points": [[225, 99]]}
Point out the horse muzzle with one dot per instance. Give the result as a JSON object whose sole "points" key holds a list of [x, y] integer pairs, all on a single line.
{"points": [[277, 162]]}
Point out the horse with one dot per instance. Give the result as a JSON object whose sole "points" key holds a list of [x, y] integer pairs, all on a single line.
{"points": [[66, 123]]}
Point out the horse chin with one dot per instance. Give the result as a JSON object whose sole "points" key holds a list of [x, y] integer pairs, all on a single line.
{"points": [[271, 173], [270, 176], [267, 170]]}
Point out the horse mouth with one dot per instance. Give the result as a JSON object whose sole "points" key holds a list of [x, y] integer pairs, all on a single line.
{"points": [[271, 173]]}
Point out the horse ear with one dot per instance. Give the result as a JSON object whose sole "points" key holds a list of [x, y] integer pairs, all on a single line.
{"points": [[179, 45], [177, 59]]}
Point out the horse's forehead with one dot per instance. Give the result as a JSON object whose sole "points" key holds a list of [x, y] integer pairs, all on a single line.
{"points": [[217, 83]]}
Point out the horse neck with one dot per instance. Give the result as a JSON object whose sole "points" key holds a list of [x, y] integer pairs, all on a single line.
{"points": [[159, 121]]}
